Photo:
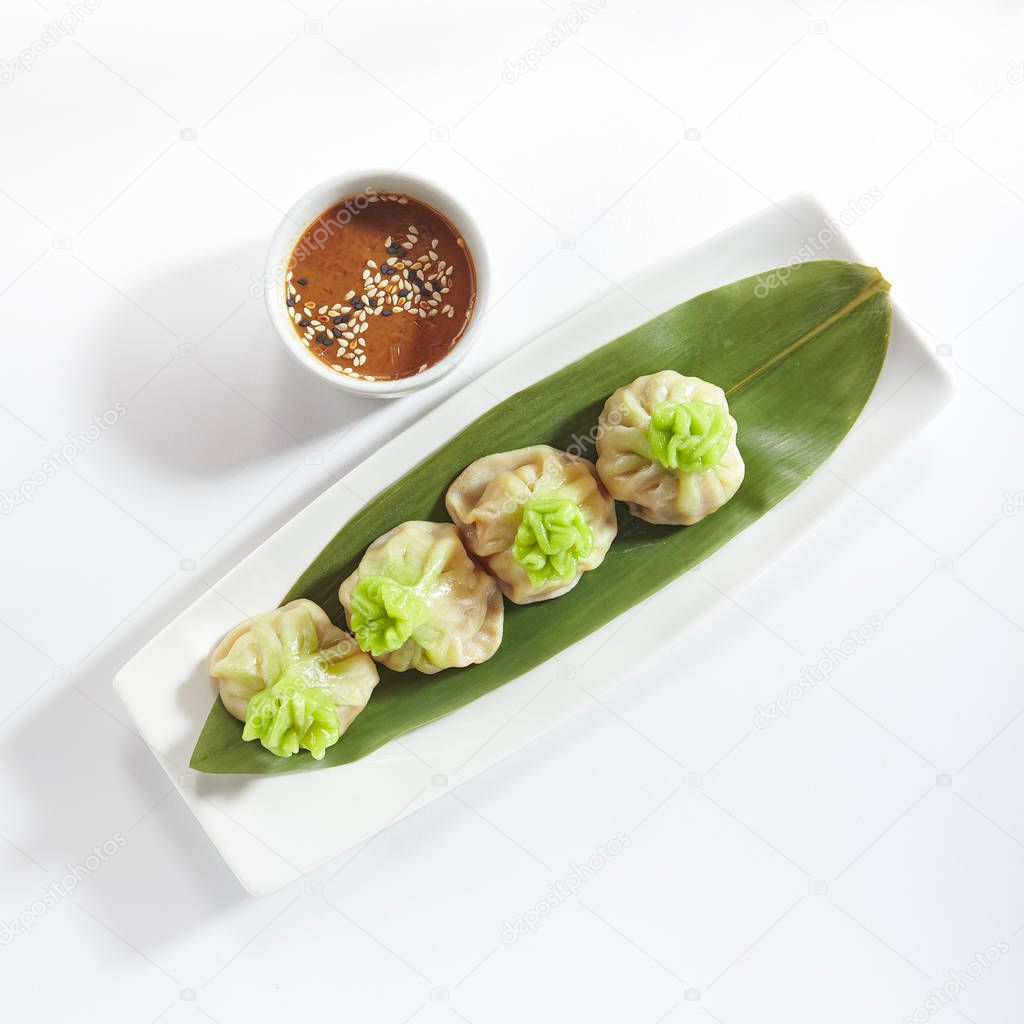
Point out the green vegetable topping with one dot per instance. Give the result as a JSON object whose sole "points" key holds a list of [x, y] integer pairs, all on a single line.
{"points": [[385, 613], [689, 436], [552, 536], [289, 715]]}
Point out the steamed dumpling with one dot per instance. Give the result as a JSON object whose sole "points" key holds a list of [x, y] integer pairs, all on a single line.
{"points": [[666, 445], [537, 517], [293, 677], [417, 600]]}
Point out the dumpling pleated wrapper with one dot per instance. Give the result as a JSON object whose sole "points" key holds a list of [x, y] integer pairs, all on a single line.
{"points": [[634, 473], [490, 500], [417, 600], [284, 652]]}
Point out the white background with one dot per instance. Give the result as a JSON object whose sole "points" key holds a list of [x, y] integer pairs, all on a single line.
{"points": [[835, 865]]}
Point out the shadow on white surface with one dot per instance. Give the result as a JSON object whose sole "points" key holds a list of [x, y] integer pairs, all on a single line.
{"points": [[219, 403], [88, 804]]}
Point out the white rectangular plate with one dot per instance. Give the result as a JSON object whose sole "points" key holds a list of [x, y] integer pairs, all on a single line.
{"points": [[263, 826]]}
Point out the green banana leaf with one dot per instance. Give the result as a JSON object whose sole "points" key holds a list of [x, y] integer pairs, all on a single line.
{"points": [[798, 361]]}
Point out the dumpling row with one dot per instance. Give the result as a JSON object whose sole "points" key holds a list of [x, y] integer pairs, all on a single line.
{"points": [[534, 520]]}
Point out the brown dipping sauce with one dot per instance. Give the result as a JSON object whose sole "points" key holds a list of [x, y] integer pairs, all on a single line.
{"points": [[380, 286]]}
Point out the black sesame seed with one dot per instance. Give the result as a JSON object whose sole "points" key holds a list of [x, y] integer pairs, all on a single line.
{"points": [[303, 281], [385, 312], [340, 320], [303, 323], [289, 302], [402, 292], [323, 340], [357, 304]]}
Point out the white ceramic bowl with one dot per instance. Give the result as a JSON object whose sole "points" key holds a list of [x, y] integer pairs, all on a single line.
{"points": [[321, 198]]}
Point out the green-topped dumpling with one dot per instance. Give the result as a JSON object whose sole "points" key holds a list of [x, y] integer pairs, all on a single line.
{"points": [[538, 518], [417, 600], [666, 445], [293, 678]]}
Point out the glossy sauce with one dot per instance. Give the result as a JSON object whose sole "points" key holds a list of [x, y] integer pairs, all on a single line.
{"points": [[380, 286]]}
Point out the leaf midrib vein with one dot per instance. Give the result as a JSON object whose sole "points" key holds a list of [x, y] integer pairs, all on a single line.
{"points": [[878, 285]]}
